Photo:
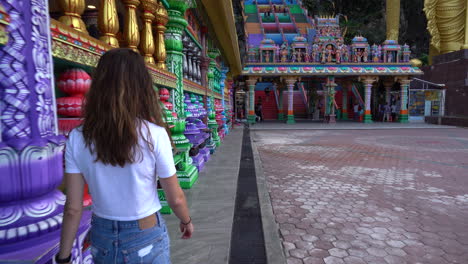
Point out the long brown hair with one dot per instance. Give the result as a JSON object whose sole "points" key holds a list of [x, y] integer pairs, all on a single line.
{"points": [[121, 97]]}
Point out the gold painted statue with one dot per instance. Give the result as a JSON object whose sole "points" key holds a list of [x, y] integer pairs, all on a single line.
{"points": [[447, 24]]}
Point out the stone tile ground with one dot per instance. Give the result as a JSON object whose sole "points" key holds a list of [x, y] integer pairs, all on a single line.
{"points": [[369, 196]]}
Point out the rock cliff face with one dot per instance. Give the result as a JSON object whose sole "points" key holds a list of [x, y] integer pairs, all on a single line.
{"points": [[367, 17]]}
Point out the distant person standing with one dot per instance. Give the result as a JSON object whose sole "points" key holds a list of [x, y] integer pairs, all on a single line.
{"points": [[258, 112], [356, 111], [387, 112], [394, 111]]}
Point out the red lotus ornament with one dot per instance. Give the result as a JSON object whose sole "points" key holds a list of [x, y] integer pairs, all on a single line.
{"points": [[69, 106], [74, 82], [164, 94]]}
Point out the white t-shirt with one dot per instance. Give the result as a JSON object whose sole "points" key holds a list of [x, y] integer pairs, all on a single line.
{"points": [[127, 193]]}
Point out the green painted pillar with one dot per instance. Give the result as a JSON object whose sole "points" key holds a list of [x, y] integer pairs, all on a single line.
{"points": [[404, 86], [213, 83], [251, 84], [187, 173]]}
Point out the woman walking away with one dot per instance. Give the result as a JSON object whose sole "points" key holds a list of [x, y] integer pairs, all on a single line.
{"points": [[120, 151]]}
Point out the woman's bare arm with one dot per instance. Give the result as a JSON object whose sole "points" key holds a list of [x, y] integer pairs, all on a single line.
{"points": [[176, 200], [74, 184]]}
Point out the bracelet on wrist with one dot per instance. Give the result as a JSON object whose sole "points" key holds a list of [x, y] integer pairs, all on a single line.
{"points": [[64, 260], [190, 221]]}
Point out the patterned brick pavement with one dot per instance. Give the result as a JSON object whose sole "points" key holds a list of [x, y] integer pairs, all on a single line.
{"points": [[369, 196]]}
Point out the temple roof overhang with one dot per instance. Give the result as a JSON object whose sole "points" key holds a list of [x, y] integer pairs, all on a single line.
{"points": [[344, 69], [221, 16]]}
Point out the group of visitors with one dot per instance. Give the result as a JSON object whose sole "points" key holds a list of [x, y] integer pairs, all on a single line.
{"points": [[388, 112]]}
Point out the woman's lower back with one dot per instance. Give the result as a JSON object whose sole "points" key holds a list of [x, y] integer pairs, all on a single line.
{"points": [[125, 242]]}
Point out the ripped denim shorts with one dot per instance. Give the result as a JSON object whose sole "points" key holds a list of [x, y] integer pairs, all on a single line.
{"points": [[124, 242]]}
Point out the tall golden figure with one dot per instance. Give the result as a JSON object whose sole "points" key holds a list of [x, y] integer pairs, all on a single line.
{"points": [[393, 19], [108, 22], [72, 10], [131, 33], [160, 27], [447, 23], [148, 8]]}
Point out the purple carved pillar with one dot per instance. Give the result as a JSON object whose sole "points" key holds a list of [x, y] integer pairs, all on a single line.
{"points": [[31, 166]]}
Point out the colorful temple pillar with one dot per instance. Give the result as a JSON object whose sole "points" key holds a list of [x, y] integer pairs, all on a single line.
{"points": [[368, 81], [331, 100], [31, 151], [251, 82], [222, 84], [174, 47], [404, 87], [186, 172], [290, 84], [213, 83]]}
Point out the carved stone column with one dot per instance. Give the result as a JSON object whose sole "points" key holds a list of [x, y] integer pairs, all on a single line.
{"points": [[251, 82], [108, 22], [72, 10], [161, 19], [131, 32], [404, 87], [31, 151], [290, 84], [368, 81], [148, 8]]}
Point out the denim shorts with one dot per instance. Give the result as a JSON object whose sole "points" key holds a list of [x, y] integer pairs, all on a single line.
{"points": [[124, 242]]}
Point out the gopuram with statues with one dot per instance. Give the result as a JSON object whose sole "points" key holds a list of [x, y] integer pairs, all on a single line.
{"points": [[299, 66]]}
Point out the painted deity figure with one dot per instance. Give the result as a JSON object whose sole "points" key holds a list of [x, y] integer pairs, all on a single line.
{"points": [[267, 56], [365, 54], [284, 55], [293, 56], [307, 57], [329, 53], [315, 53], [299, 56], [338, 55], [324, 54], [389, 57], [358, 55]]}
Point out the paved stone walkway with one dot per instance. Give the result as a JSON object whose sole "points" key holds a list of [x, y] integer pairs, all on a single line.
{"points": [[369, 196]]}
